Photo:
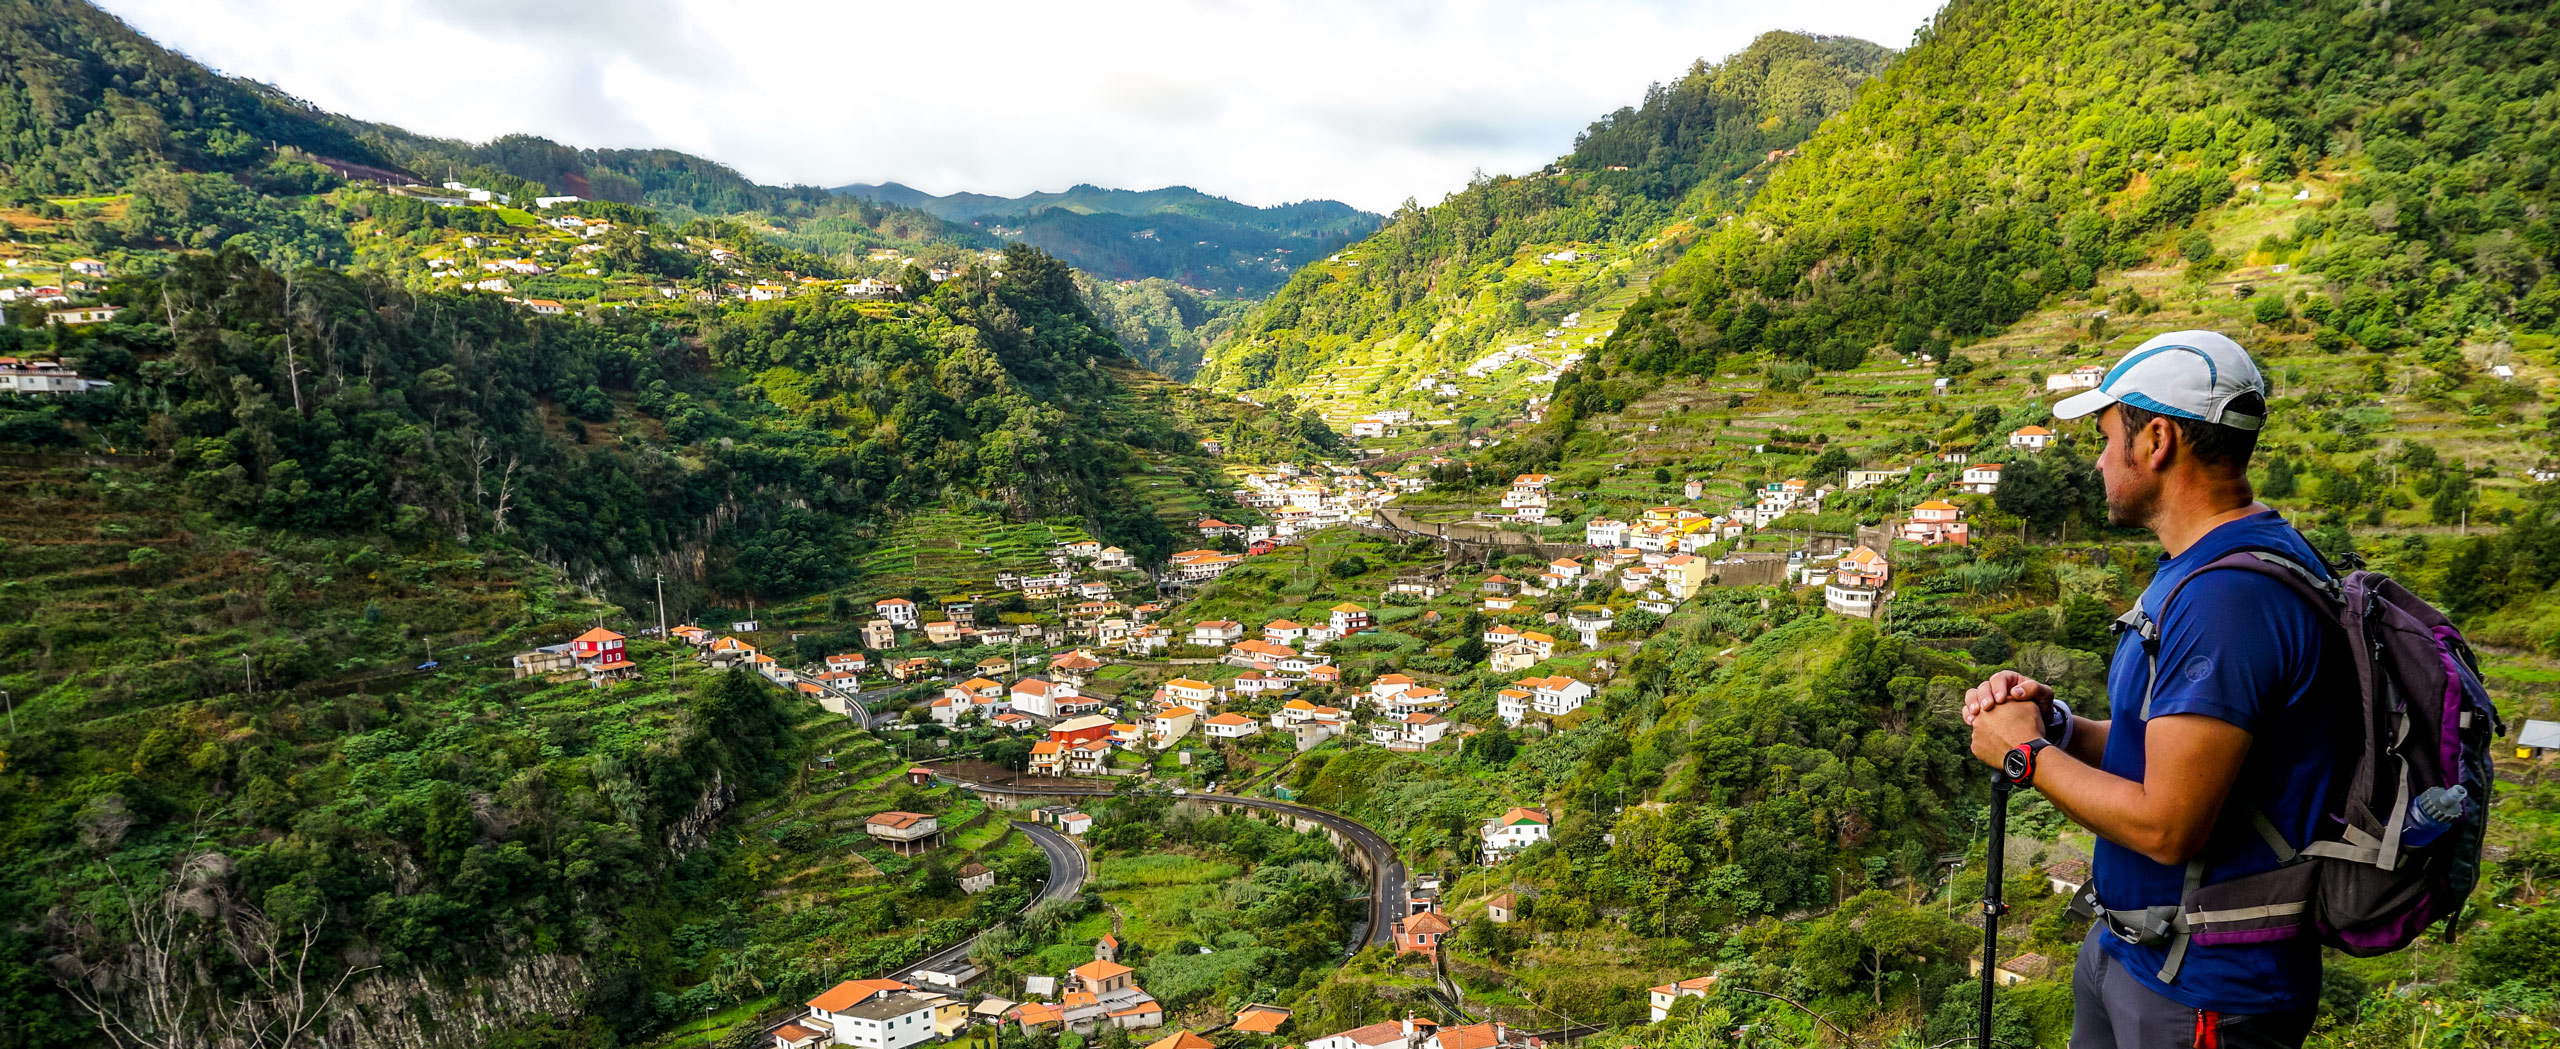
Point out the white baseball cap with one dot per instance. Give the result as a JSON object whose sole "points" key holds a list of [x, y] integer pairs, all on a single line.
{"points": [[2185, 374]]}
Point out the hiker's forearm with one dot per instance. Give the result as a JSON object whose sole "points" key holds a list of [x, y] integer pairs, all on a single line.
{"points": [[2088, 739], [2116, 808], [2189, 764]]}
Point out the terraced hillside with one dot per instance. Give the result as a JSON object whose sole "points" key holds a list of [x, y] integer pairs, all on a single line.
{"points": [[1539, 264]]}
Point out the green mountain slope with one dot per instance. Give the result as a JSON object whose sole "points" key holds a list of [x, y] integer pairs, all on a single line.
{"points": [[1541, 262], [2023, 149], [1161, 324], [1315, 217], [1176, 233], [321, 481]]}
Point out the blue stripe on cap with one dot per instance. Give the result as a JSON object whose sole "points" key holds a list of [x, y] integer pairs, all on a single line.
{"points": [[2212, 374], [2139, 400]]}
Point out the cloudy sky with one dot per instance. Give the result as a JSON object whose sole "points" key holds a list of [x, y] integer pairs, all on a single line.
{"points": [[1366, 101]]}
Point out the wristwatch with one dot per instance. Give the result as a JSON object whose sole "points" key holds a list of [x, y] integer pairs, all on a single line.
{"points": [[2020, 765]]}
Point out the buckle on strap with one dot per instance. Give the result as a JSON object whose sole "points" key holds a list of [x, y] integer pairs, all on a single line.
{"points": [[2138, 621], [2147, 926]]}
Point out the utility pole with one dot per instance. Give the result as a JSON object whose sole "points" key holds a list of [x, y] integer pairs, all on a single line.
{"points": [[673, 657]]}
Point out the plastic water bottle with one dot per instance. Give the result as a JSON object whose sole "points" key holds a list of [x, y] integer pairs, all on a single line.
{"points": [[2432, 813]]}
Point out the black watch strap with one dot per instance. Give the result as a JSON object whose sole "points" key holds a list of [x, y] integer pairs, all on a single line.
{"points": [[2020, 766]]}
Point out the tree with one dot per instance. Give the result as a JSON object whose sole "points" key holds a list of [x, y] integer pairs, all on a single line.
{"points": [[2453, 496], [2525, 948], [2278, 480], [1830, 465]]}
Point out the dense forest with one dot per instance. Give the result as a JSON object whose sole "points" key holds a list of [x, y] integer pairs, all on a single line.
{"points": [[1687, 148], [337, 404], [1175, 233], [1312, 218], [1161, 324], [2027, 147]]}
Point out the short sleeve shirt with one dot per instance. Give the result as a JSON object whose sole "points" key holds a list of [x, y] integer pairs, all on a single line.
{"points": [[2244, 649]]}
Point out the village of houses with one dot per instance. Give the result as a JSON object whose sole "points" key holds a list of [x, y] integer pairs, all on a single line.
{"points": [[1117, 678], [1267, 686]]}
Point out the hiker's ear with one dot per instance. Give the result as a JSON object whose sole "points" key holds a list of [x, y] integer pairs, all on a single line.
{"points": [[2152, 447]]}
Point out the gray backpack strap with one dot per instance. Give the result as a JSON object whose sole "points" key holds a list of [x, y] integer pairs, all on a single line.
{"points": [[2178, 927], [2140, 622], [2268, 833]]}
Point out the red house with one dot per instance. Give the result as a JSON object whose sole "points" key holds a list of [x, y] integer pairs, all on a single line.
{"points": [[1081, 730], [596, 647], [1421, 933]]}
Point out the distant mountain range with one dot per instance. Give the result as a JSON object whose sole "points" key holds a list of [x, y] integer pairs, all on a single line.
{"points": [[1177, 232], [1313, 216]]}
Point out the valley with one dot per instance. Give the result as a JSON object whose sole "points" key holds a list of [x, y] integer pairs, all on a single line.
{"points": [[515, 595]]}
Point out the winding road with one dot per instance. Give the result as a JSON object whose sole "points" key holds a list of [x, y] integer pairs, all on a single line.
{"points": [[1387, 879], [1066, 878]]}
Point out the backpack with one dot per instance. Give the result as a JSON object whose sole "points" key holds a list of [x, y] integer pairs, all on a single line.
{"points": [[2399, 845]]}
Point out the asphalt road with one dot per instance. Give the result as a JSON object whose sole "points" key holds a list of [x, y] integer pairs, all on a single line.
{"points": [[859, 703], [1388, 881], [1066, 878]]}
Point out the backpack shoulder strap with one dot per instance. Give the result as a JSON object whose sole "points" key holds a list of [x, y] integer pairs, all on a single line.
{"points": [[2322, 592]]}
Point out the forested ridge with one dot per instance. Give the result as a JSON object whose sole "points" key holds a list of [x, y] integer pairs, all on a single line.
{"points": [[1633, 172], [2025, 147]]}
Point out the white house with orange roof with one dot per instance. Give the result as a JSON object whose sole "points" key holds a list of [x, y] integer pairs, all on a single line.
{"points": [[1293, 713], [2085, 377], [1663, 997], [1283, 632], [1038, 696], [1258, 682], [899, 611], [873, 1014], [906, 832], [1417, 698], [1171, 724], [2031, 438], [1216, 633], [1513, 831], [1604, 533], [1388, 686], [1411, 731], [1349, 619], [1981, 478], [1198, 566], [1190, 690], [1229, 725], [1256, 655], [1539, 643], [1554, 696]]}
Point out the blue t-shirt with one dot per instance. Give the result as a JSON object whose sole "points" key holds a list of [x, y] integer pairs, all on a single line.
{"points": [[2241, 648]]}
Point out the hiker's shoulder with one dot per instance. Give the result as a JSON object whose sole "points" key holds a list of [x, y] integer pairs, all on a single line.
{"points": [[2217, 598]]}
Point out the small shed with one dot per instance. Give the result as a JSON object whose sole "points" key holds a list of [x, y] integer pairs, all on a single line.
{"points": [[2538, 739]]}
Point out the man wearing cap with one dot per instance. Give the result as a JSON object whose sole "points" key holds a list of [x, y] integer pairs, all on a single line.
{"points": [[2178, 773]]}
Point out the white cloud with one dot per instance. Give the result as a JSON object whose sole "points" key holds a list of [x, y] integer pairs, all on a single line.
{"points": [[1367, 102]]}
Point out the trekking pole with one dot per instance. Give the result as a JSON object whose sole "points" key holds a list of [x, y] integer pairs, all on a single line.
{"points": [[1992, 908]]}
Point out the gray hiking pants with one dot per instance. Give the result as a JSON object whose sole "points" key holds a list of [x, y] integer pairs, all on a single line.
{"points": [[2112, 1010]]}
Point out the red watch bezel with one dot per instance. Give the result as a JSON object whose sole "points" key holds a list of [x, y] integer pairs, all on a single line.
{"points": [[2026, 753]]}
